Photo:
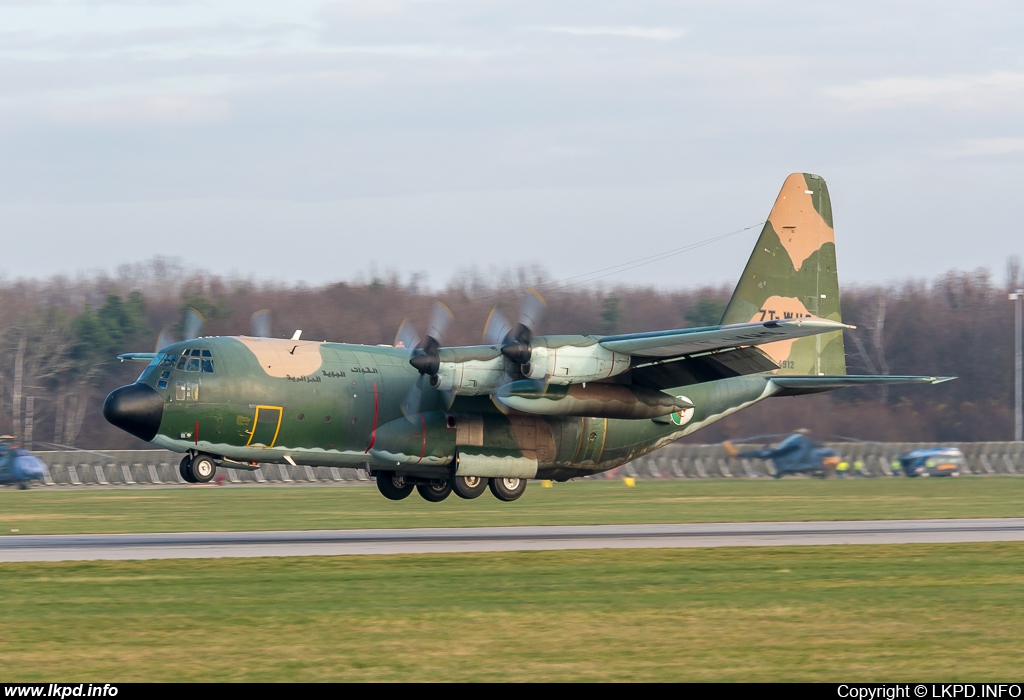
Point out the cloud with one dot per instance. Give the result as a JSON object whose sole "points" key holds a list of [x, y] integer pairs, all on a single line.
{"points": [[966, 90], [144, 110], [986, 147], [659, 33]]}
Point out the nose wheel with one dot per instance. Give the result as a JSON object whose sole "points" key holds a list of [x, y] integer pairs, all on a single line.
{"points": [[185, 469], [197, 470]]}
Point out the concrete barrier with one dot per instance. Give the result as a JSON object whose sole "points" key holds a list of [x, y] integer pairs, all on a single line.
{"points": [[678, 461]]}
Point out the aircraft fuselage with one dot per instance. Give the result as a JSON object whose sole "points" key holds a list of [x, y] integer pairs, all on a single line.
{"points": [[258, 400]]}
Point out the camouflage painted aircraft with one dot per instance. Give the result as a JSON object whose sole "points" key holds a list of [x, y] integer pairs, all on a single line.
{"points": [[517, 407]]}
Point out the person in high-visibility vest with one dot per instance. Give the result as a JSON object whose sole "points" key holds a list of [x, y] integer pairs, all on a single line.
{"points": [[896, 467], [841, 469], [858, 468]]}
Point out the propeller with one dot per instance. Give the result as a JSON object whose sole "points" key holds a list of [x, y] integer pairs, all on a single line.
{"points": [[193, 326], [423, 355], [515, 341], [259, 323]]}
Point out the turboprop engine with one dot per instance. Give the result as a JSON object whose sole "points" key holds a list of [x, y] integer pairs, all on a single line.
{"points": [[573, 364], [472, 377], [594, 400], [563, 364]]}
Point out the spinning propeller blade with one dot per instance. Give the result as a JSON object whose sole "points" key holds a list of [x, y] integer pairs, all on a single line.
{"points": [[259, 323], [497, 327], [194, 323], [164, 339], [407, 337], [423, 356]]}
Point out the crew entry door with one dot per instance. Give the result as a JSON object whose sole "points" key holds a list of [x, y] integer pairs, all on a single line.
{"points": [[266, 425]]}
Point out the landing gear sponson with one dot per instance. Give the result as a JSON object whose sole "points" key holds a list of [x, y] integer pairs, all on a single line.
{"points": [[396, 487]]}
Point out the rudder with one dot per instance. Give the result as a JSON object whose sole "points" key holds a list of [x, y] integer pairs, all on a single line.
{"points": [[791, 274]]}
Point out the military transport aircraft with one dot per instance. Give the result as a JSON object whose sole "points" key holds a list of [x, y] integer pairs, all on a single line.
{"points": [[518, 407]]}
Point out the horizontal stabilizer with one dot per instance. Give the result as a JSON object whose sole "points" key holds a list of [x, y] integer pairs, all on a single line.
{"points": [[795, 385], [688, 341]]}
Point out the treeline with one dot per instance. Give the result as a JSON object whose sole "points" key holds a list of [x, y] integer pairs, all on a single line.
{"points": [[59, 339]]}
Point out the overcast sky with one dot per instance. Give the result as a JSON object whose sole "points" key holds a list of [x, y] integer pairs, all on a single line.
{"points": [[313, 141]]}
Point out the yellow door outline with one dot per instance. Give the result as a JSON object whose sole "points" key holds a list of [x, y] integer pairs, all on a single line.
{"points": [[256, 420]]}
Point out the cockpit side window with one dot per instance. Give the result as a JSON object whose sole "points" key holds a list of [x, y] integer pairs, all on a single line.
{"points": [[150, 368]]}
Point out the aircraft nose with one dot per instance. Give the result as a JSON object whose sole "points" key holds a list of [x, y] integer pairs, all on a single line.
{"points": [[135, 409]]}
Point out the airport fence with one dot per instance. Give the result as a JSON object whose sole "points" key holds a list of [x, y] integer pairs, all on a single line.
{"points": [[678, 461]]}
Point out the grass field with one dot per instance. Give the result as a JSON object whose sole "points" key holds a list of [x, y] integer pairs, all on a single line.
{"points": [[869, 613], [590, 502], [899, 612]]}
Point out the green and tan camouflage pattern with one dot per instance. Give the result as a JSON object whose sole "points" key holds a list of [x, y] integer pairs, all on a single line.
{"points": [[792, 274], [337, 405]]}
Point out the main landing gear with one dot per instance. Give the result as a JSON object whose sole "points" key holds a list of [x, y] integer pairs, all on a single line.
{"points": [[197, 469], [396, 487]]}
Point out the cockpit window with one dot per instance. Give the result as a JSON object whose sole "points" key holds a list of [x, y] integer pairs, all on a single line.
{"points": [[193, 360]]}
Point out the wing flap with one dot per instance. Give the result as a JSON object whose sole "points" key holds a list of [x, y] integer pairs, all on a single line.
{"points": [[706, 367], [688, 341]]}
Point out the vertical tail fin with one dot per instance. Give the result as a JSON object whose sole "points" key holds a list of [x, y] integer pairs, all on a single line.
{"points": [[792, 273]]}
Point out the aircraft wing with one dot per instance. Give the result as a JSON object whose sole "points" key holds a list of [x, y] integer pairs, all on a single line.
{"points": [[795, 385], [688, 341]]}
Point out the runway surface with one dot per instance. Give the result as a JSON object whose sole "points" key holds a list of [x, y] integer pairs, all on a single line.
{"points": [[206, 545]]}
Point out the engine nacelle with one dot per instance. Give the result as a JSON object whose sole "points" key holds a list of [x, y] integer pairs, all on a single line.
{"points": [[570, 364], [471, 378]]}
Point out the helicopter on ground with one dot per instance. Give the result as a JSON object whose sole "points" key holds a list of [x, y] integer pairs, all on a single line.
{"points": [[796, 453], [18, 467]]}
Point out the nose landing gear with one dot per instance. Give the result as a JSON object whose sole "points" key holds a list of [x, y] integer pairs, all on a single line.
{"points": [[198, 469]]}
